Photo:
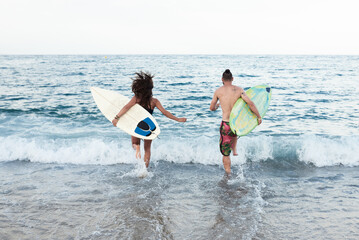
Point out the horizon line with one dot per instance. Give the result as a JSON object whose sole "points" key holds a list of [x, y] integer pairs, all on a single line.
{"points": [[179, 54]]}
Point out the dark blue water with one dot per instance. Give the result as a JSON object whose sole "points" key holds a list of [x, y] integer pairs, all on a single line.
{"points": [[67, 173]]}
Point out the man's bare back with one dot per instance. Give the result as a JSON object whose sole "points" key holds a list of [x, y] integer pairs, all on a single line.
{"points": [[227, 96]]}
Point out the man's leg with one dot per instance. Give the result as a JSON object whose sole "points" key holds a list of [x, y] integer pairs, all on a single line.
{"points": [[234, 146], [225, 145], [227, 164]]}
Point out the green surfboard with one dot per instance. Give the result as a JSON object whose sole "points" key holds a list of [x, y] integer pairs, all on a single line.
{"points": [[242, 120]]}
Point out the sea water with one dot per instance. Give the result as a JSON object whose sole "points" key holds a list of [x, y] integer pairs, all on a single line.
{"points": [[67, 173]]}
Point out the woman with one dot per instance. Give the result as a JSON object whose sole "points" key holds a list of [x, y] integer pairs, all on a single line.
{"points": [[142, 88]]}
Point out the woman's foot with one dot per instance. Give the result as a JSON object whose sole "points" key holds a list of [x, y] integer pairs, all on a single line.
{"points": [[147, 162]]}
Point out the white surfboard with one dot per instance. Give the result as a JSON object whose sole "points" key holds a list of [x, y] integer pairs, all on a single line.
{"points": [[137, 121]]}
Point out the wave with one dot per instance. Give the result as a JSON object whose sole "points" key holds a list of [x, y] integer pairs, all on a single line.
{"points": [[195, 98], [60, 111], [279, 151], [184, 76], [247, 76], [74, 74], [179, 84]]}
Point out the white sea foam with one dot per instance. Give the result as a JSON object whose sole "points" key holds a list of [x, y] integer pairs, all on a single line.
{"points": [[139, 171], [77, 151], [329, 152], [320, 151]]}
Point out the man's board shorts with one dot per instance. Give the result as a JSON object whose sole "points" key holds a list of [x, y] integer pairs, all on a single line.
{"points": [[227, 139]]}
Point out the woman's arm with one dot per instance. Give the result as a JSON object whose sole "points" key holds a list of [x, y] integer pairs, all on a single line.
{"points": [[167, 113], [124, 110]]}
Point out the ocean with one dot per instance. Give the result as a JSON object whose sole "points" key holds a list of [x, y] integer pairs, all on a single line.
{"points": [[67, 173]]}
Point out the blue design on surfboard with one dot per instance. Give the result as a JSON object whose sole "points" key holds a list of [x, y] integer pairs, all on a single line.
{"points": [[145, 127]]}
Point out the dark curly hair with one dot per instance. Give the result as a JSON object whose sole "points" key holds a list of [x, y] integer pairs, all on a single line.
{"points": [[142, 88]]}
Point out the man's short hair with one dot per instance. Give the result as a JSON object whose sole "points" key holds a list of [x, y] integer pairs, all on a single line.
{"points": [[227, 75]]}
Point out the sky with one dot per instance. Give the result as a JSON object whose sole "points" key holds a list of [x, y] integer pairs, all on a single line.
{"points": [[179, 27]]}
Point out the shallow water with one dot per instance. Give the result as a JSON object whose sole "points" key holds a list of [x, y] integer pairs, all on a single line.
{"points": [[66, 173], [177, 201]]}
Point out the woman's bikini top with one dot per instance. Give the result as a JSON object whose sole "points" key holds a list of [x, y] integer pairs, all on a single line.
{"points": [[149, 110]]}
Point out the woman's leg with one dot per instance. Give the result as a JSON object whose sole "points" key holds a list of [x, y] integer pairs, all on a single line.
{"points": [[147, 152], [136, 146]]}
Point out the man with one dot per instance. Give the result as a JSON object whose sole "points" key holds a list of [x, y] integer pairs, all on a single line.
{"points": [[227, 95]]}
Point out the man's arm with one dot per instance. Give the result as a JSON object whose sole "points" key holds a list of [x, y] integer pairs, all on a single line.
{"points": [[251, 105], [214, 106]]}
